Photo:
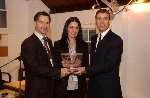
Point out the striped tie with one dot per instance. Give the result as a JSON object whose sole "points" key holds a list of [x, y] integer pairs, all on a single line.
{"points": [[46, 47], [45, 39]]}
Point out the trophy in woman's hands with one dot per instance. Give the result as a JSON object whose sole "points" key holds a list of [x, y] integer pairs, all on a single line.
{"points": [[71, 60]]}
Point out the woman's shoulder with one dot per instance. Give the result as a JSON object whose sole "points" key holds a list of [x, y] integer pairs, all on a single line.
{"points": [[59, 43]]}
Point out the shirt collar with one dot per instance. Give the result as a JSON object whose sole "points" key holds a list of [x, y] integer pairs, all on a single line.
{"points": [[40, 36], [104, 33]]}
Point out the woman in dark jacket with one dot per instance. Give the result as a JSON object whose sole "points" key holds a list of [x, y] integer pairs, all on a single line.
{"points": [[71, 42]]}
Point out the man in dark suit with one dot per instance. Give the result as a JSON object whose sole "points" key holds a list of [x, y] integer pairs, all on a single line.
{"points": [[106, 51], [38, 57]]}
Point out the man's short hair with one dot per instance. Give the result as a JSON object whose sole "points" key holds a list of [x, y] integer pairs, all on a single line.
{"points": [[38, 14], [102, 11]]}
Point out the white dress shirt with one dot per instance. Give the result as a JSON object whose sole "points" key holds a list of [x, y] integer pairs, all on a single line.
{"points": [[101, 35]]}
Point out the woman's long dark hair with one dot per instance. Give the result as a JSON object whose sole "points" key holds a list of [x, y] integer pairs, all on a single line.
{"points": [[65, 29]]}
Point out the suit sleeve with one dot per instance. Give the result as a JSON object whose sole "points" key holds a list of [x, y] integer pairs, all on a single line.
{"points": [[57, 54], [85, 58]]}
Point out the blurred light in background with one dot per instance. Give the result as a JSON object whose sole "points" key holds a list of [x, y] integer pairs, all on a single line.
{"points": [[139, 7]]}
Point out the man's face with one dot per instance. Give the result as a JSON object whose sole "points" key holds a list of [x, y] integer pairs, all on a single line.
{"points": [[102, 21], [42, 24], [73, 29]]}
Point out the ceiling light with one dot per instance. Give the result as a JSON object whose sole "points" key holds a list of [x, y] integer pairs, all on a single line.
{"points": [[94, 6], [138, 1]]}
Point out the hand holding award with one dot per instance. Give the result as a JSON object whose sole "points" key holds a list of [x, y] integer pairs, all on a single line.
{"points": [[71, 61]]}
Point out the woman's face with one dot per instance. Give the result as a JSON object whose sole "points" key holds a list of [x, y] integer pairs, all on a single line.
{"points": [[73, 29]]}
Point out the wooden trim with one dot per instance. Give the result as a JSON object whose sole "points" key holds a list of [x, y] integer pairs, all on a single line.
{"points": [[3, 51]]}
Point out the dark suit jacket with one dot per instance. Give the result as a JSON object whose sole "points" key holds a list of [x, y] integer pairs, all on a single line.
{"points": [[104, 70], [40, 75], [61, 46]]}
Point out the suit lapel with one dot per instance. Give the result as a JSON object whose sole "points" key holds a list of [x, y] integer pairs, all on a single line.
{"points": [[105, 39], [37, 41], [39, 45]]}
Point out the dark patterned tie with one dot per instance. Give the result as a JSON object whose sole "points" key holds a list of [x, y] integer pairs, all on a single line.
{"points": [[45, 39]]}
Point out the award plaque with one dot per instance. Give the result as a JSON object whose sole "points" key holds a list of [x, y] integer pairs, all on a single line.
{"points": [[73, 60]]}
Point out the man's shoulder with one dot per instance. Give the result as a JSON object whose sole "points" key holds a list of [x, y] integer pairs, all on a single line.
{"points": [[31, 39], [115, 39], [115, 35]]}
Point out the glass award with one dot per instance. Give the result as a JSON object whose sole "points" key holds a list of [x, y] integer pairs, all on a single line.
{"points": [[72, 60]]}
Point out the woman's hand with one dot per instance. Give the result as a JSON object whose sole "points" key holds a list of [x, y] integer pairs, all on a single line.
{"points": [[77, 63], [65, 64]]}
